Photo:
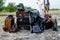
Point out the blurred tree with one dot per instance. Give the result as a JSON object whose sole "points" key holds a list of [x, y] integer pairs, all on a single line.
{"points": [[1, 4], [20, 5], [10, 7]]}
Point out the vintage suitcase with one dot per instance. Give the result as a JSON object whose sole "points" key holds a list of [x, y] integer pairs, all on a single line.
{"points": [[22, 14], [22, 19], [23, 22]]}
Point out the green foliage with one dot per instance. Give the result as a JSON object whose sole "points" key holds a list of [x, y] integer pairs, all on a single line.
{"points": [[1, 5], [55, 9], [28, 8], [19, 5], [10, 7]]}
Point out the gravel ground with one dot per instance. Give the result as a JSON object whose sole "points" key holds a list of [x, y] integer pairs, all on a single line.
{"points": [[26, 35]]}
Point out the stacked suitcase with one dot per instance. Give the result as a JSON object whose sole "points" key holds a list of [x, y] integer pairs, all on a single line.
{"points": [[22, 19]]}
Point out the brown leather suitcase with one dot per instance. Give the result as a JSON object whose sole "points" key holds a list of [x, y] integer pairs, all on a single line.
{"points": [[9, 23], [22, 14]]}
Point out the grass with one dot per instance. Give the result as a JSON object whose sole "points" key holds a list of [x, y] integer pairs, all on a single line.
{"points": [[52, 11], [7, 13]]}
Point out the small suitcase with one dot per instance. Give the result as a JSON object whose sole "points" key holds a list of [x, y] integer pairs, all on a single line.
{"points": [[9, 22], [36, 29], [21, 13]]}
